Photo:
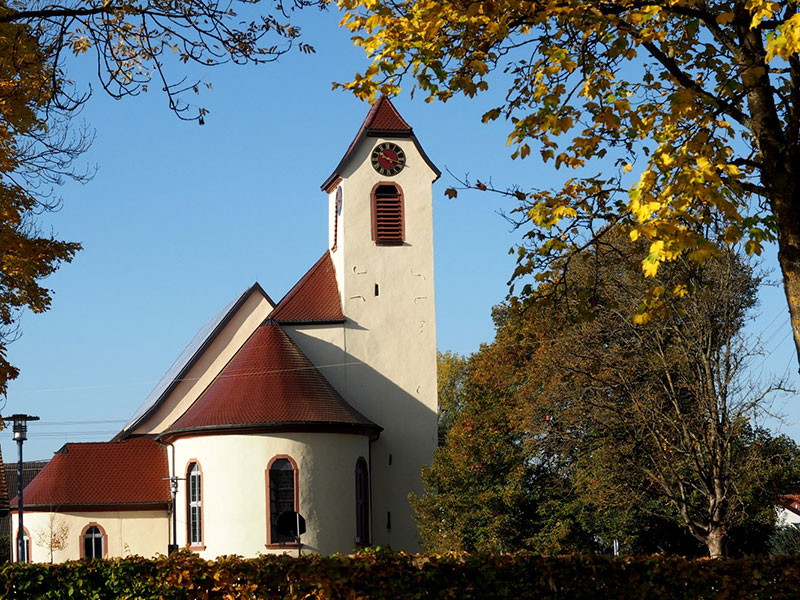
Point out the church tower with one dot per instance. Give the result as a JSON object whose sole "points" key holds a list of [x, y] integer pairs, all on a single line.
{"points": [[296, 426], [381, 246]]}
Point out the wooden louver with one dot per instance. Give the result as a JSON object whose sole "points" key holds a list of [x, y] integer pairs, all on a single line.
{"points": [[387, 216]]}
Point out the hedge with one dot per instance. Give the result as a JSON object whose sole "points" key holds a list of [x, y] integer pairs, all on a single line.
{"points": [[384, 574]]}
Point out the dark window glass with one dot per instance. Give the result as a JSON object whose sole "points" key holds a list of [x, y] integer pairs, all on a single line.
{"points": [[26, 547], [281, 497], [362, 503], [93, 543], [194, 506]]}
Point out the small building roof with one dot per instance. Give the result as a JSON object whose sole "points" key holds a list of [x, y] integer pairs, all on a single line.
{"points": [[200, 342], [313, 299], [102, 475], [382, 120], [270, 385], [790, 502]]}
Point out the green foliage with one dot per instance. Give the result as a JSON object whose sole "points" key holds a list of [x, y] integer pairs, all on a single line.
{"points": [[785, 540], [5, 548], [577, 427], [384, 574], [451, 379], [666, 116]]}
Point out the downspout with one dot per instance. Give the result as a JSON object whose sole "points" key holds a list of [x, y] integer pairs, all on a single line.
{"points": [[173, 486], [369, 480]]}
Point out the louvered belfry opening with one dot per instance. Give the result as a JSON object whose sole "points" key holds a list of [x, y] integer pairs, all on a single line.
{"points": [[387, 215]]}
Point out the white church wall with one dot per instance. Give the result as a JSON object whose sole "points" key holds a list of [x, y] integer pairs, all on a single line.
{"points": [[324, 347], [217, 355], [126, 533], [390, 337], [234, 489]]}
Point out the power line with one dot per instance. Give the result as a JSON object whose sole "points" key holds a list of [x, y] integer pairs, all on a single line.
{"points": [[83, 422], [182, 379], [66, 434]]}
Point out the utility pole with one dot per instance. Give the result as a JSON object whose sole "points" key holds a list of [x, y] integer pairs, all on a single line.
{"points": [[20, 435]]}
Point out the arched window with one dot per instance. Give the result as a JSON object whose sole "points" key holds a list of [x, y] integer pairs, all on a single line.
{"points": [[388, 228], [362, 503], [282, 488], [93, 540], [26, 547], [194, 505]]}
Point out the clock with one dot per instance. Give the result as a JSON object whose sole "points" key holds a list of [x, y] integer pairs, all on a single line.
{"points": [[388, 158]]}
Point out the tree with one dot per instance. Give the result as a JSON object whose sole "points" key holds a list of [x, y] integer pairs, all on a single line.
{"points": [[665, 410], [481, 493], [133, 42], [35, 149], [695, 102], [54, 538], [618, 430], [451, 374]]}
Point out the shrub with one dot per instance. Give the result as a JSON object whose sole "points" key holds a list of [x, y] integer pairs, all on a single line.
{"points": [[383, 574]]}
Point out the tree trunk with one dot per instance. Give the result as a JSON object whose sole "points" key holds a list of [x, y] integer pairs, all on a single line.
{"points": [[715, 542], [788, 214], [779, 154]]}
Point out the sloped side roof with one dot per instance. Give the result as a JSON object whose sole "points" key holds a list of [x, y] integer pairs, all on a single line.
{"points": [[102, 474], [315, 298], [202, 339], [30, 469], [382, 120], [270, 383]]}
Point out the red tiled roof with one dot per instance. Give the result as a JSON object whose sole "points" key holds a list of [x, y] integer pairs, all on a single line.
{"points": [[315, 298], [131, 472], [382, 120], [383, 116], [790, 502], [270, 383]]}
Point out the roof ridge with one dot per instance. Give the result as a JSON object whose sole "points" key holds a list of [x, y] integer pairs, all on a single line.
{"points": [[301, 283], [112, 441], [207, 333]]}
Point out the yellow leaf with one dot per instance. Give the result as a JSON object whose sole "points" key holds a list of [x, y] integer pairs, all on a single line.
{"points": [[650, 267]]}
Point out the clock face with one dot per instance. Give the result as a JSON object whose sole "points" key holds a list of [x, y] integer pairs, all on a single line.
{"points": [[388, 158]]}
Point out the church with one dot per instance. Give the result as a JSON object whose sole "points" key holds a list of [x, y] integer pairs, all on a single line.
{"points": [[296, 426]]}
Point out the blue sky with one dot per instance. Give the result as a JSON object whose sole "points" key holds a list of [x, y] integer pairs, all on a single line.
{"points": [[181, 218]]}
